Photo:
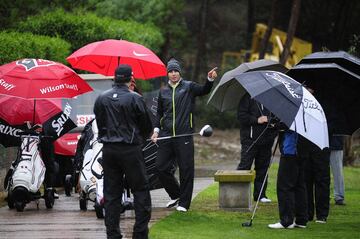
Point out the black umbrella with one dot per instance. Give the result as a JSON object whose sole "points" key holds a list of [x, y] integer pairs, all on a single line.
{"points": [[289, 101], [341, 58], [218, 96], [337, 90]]}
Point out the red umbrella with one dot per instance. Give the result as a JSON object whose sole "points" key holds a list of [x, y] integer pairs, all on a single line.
{"points": [[16, 110], [103, 57], [37, 78]]}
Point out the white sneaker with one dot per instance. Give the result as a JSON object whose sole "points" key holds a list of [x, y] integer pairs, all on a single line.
{"points": [[299, 226], [181, 209], [280, 226], [172, 203], [265, 200]]}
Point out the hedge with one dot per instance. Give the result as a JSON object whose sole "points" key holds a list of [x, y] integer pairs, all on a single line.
{"points": [[81, 28], [15, 45]]}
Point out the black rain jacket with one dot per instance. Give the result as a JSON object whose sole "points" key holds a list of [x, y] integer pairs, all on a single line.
{"points": [[122, 116], [248, 113], [176, 106]]}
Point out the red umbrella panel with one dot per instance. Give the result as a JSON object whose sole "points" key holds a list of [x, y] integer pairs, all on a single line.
{"points": [[103, 57], [16, 110], [56, 116], [38, 78]]}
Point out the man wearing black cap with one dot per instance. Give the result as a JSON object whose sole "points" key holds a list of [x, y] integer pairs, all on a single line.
{"points": [[176, 104], [124, 122]]}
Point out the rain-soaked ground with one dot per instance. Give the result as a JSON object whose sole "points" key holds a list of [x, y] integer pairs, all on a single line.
{"points": [[66, 220]]}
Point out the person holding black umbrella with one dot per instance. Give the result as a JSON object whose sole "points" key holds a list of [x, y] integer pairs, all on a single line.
{"points": [[176, 102], [257, 138], [124, 122]]}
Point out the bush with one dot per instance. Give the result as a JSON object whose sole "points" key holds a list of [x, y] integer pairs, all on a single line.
{"points": [[81, 28], [15, 45]]}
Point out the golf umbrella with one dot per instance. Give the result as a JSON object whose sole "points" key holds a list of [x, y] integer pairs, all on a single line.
{"points": [[341, 58], [337, 90], [103, 57], [286, 99], [217, 96], [35, 80], [38, 78]]}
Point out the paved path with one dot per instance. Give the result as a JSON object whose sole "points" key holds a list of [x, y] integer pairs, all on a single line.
{"points": [[66, 220]]}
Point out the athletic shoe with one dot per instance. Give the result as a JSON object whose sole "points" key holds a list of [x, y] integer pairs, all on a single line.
{"points": [[172, 203], [299, 226], [321, 220], [181, 209], [340, 202], [280, 226], [265, 200]]}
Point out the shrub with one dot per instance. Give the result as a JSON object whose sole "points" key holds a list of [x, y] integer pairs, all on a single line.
{"points": [[15, 45], [81, 28]]}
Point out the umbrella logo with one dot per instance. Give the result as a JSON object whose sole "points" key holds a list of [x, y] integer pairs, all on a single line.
{"points": [[6, 129], [7, 86], [58, 124], [30, 64], [286, 83], [140, 54]]}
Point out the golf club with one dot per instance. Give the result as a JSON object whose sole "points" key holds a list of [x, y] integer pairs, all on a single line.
{"points": [[249, 224], [205, 131]]}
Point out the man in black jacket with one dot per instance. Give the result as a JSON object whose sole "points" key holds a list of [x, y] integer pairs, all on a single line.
{"points": [[257, 137], [176, 103], [123, 122]]}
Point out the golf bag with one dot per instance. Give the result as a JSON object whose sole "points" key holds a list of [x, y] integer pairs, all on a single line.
{"points": [[26, 175], [91, 178]]}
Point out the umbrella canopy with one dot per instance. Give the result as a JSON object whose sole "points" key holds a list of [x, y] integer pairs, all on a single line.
{"points": [[285, 98], [10, 134], [16, 110], [55, 115], [217, 96], [337, 90], [38, 78], [103, 57], [341, 58]]}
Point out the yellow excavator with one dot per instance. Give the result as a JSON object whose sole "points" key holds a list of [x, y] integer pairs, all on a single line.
{"points": [[298, 50]]}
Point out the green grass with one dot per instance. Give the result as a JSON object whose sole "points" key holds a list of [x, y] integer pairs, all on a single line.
{"points": [[206, 220]]}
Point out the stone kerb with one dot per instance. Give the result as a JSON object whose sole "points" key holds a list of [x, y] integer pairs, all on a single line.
{"points": [[235, 189]]}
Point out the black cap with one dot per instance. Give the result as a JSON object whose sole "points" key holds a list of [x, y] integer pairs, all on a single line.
{"points": [[173, 65], [123, 73]]}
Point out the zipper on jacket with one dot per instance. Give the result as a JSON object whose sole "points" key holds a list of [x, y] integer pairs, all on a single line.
{"points": [[251, 132], [173, 105], [191, 120]]}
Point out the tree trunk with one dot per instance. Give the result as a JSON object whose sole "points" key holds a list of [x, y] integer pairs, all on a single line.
{"points": [[270, 26], [201, 60], [251, 23], [295, 12]]}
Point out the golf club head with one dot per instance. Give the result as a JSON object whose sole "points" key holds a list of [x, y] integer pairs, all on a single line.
{"points": [[247, 224], [206, 131]]}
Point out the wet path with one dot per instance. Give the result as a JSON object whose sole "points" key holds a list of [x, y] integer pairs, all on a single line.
{"points": [[66, 220]]}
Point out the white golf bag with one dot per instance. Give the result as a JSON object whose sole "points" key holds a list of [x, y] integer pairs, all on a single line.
{"points": [[91, 175], [91, 178], [26, 175]]}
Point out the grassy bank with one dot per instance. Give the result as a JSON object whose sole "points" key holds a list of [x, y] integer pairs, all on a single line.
{"points": [[206, 220]]}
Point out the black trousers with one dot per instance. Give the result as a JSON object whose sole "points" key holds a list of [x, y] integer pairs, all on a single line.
{"points": [[291, 191], [119, 160], [317, 177], [181, 151], [47, 154], [261, 154]]}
